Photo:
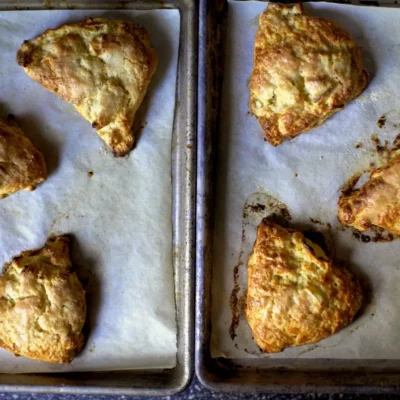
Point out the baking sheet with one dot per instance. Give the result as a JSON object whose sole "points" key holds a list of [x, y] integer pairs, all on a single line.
{"points": [[301, 179], [119, 218]]}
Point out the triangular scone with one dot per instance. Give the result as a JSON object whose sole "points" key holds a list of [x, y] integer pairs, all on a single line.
{"points": [[377, 202], [42, 304], [102, 67], [305, 69], [295, 294], [22, 166]]}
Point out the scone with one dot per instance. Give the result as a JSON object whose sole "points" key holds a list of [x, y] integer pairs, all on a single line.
{"points": [[305, 69], [42, 304], [22, 166], [102, 67], [377, 202], [295, 294]]}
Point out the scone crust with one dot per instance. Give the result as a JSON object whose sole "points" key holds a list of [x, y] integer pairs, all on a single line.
{"points": [[42, 304], [305, 69], [294, 296], [22, 166], [377, 202], [102, 67]]}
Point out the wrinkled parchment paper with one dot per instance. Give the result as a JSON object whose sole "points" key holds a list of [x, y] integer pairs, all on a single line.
{"points": [[306, 174], [120, 218]]}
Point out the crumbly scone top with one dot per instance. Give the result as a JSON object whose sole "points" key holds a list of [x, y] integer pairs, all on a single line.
{"points": [[42, 304], [377, 202], [305, 69], [295, 294], [102, 67], [22, 166]]}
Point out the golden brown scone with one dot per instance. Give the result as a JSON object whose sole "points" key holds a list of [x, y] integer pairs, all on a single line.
{"points": [[305, 69], [22, 166], [377, 202], [295, 294], [102, 67], [42, 304]]}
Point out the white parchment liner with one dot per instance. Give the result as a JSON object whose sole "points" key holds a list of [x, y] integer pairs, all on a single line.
{"points": [[305, 174], [120, 218]]}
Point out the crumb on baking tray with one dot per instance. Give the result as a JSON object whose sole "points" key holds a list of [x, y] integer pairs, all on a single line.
{"points": [[316, 221], [359, 145], [381, 121]]}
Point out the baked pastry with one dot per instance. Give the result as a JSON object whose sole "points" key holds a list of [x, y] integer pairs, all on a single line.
{"points": [[377, 202], [295, 294], [102, 67], [22, 166], [42, 304], [305, 69]]}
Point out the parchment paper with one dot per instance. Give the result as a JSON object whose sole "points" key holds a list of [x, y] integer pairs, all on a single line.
{"points": [[120, 218], [306, 174]]}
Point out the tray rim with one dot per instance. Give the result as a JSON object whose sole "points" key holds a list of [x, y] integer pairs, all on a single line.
{"points": [[224, 375], [154, 382]]}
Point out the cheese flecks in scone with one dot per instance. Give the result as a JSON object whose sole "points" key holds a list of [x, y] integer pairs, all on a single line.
{"points": [[305, 69], [22, 166], [295, 294], [377, 202], [42, 304], [102, 67]]}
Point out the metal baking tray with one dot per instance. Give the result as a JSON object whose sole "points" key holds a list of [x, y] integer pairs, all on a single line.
{"points": [[162, 381], [251, 375]]}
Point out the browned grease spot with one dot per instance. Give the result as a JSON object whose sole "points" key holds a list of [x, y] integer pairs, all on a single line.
{"points": [[316, 221], [382, 149], [90, 174], [254, 208], [377, 235], [348, 186], [381, 235], [381, 121], [234, 302], [243, 303], [237, 303], [281, 210], [361, 236], [396, 142], [359, 145]]}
